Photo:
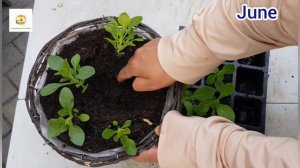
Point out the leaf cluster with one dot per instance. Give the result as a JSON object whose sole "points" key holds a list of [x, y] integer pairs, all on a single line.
{"points": [[206, 97], [76, 74], [65, 120], [122, 31], [121, 134]]}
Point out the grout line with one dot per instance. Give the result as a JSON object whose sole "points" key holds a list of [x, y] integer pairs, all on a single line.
{"points": [[8, 122], [9, 132], [14, 44], [7, 43], [22, 61], [12, 83], [10, 99]]}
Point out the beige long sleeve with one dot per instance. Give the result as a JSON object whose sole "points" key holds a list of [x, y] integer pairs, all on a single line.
{"points": [[216, 35], [196, 142]]}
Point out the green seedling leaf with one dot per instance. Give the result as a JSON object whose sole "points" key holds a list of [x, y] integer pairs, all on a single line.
{"points": [[55, 127], [226, 90], [124, 20], [108, 133], [51, 88], [225, 111], [189, 108], [84, 117], [129, 145], [202, 108], [86, 72], [127, 124], [75, 62], [135, 21], [218, 84], [211, 79], [215, 71], [75, 110], [138, 39], [122, 31], [66, 99], [115, 123], [204, 93], [125, 131], [66, 70], [63, 112], [63, 80], [77, 135], [228, 69], [55, 62]]}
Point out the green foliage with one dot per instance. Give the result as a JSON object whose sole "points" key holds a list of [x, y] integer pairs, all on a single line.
{"points": [[205, 99], [64, 122], [121, 134], [122, 31], [70, 75]]}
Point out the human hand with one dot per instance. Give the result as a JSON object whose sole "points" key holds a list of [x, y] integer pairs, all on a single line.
{"points": [[145, 67], [150, 155]]}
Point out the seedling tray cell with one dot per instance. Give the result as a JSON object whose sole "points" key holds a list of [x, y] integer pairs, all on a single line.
{"points": [[249, 97]]}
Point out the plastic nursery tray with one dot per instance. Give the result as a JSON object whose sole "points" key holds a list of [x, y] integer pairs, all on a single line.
{"points": [[249, 98]]}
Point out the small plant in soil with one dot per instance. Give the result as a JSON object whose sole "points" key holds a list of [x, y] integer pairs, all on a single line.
{"points": [[65, 120], [206, 100], [122, 31], [76, 74], [121, 134]]}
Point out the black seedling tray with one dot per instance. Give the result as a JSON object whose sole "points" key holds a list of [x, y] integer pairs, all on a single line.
{"points": [[249, 98]]}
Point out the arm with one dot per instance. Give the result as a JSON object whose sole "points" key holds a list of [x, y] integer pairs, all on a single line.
{"points": [[216, 142], [216, 35]]}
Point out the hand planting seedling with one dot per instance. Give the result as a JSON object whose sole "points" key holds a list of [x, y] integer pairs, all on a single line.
{"points": [[64, 122], [122, 31], [208, 98], [121, 133], [75, 75]]}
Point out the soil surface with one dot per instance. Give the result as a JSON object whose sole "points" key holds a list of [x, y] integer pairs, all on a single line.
{"points": [[105, 99]]}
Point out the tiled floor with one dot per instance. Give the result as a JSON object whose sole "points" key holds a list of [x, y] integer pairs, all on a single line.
{"points": [[14, 47]]}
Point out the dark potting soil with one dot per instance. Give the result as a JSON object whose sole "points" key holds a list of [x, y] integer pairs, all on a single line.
{"points": [[105, 99]]}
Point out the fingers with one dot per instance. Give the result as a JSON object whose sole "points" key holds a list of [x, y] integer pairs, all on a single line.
{"points": [[148, 156], [142, 84], [124, 74], [157, 130]]}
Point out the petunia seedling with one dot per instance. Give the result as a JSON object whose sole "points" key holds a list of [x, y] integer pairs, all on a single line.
{"points": [[121, 134], [217, 76], [209, 97], [65, 120], [75, 75], [122, 31]]}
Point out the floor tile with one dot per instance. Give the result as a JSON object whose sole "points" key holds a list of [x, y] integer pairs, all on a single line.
{"points": [[5, 147], [6, 35], [8, 90], [21, 42], [6, 127], [282, 120], [283, 76], [11, 57], [9, 109], [15, 74]]}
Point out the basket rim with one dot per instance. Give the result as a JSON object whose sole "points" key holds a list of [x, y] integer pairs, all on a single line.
{"points": [[175, 90]]}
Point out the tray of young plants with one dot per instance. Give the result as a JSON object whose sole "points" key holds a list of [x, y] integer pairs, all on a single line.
{"points": [[235, 90], [76, 103]]}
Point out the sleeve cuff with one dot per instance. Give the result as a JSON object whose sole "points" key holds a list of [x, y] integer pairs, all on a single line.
{"points": [[185, 57]]}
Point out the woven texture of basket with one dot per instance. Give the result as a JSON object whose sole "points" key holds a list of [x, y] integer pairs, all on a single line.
{"points": [[32, 94]]}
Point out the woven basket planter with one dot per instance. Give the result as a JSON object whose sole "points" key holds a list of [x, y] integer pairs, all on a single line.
{"points": [[36, 82]]}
